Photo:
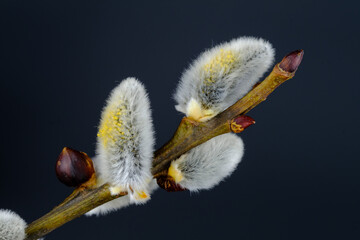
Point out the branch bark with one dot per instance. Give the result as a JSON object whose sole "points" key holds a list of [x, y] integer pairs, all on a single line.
{"points": [[189, 134]]}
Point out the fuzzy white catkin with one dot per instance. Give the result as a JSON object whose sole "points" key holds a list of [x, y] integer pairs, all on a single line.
{"points": [[12, 226], [125, 141], [206, 165], [222, 75], [119, 203]]}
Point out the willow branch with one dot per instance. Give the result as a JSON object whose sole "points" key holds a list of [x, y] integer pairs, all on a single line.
{"points": [[189, 134]]}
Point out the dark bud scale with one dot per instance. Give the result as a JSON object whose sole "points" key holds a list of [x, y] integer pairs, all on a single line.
{"points": [[74, 168]]}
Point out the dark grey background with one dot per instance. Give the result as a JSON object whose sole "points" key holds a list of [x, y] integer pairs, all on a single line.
{"points": [[299, 178]]}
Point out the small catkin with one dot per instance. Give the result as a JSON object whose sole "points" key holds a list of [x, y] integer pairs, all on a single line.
{"points": [[12, 226], [222, 75], [125, 141], [206, 165]]}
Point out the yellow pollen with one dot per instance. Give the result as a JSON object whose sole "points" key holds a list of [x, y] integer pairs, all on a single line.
{"points": [[111, 128], [221, 63], [141, 195]]}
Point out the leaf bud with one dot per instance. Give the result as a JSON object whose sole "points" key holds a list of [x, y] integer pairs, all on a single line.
{"points": [[240, 123], [74, 168], [291, 62]]}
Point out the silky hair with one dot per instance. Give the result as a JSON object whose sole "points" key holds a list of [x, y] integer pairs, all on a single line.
{"points": [[222, 75]]}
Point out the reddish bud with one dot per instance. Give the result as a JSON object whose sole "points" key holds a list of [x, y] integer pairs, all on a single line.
{"points": [[291, 62], [240, 123], [168, 183], [74, 168]]}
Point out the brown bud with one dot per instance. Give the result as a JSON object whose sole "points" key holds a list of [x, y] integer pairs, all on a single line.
{"points": [[240, 123], [291, 62], [168, 183], [74, 168]]}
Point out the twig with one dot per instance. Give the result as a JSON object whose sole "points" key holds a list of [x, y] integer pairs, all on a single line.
{"points": [[189, 134]]}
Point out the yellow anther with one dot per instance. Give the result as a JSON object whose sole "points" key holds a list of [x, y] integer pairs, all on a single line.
{"points": [[140, 195], [111, 127], [223, 62]]}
